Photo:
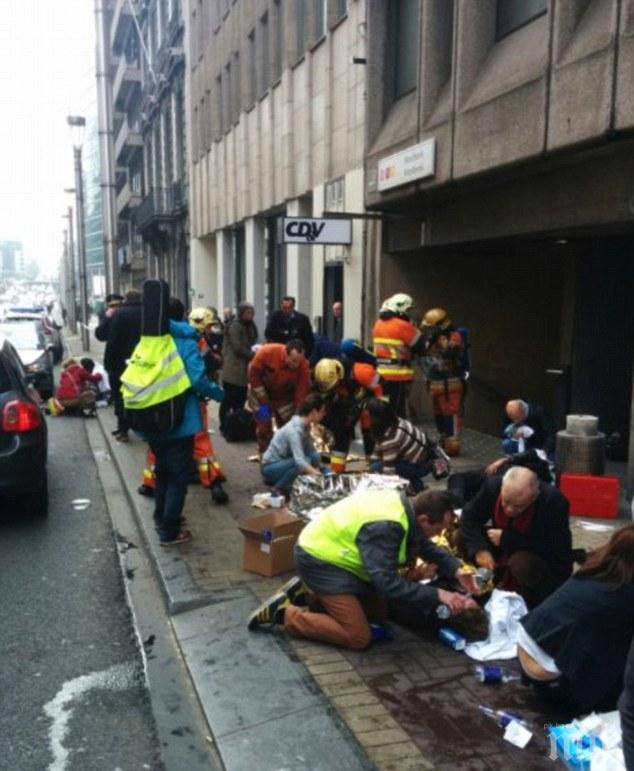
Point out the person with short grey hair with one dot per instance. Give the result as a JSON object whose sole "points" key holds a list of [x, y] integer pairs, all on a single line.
{"points": [[519, 527], [240, 336]]}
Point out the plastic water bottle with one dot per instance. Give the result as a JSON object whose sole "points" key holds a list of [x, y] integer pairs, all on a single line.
{"points": [[502, 717], [443, 612], [492, 675]]}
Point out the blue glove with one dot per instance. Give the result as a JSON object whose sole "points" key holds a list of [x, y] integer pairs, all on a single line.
{"points": [[264, 412]]}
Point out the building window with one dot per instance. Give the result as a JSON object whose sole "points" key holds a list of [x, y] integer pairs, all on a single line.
{"points": [[235, 97], [226, 98], [513, 14], [219, 108], [321, 18], [341, 9], [252, 84], [334, 194], [406, 23], [300, 27], [263, 66], [278, 41]]}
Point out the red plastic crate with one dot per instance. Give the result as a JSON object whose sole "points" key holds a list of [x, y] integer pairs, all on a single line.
{"points": [[591, 496]]}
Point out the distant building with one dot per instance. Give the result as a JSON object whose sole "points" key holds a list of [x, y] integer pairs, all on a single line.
{"points": [[95, 266], [12, 264], [151, 182]]}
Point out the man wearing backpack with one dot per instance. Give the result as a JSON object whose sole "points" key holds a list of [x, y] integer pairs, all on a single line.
{"points": [[443, 363], [173, 449]]}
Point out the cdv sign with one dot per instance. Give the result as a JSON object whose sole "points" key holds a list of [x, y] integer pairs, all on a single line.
{"points": [[315, 231]]}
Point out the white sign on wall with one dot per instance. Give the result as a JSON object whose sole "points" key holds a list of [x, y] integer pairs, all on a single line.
{"points": [[316, 231], [414, 162]]}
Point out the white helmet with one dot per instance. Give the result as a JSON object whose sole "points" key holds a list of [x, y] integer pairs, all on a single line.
{"points": [[398, 303]]}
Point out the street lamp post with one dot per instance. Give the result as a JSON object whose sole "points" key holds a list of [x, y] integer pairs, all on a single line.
{"points": [[78, 125], [71, 299]]}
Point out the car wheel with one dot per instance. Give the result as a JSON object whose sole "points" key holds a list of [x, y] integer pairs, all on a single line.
{"points": [[36, 504]]}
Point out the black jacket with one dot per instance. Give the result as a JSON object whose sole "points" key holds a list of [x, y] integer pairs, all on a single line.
{"points": [[543, 426], [587, 627], [102, 330], [549, 536], [124, 334], [626, 706], [379, 543], [282, 328]]}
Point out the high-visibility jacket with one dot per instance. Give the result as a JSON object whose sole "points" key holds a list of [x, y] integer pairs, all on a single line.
{"points": [[332, 536], [393, 340], [155, 373]]}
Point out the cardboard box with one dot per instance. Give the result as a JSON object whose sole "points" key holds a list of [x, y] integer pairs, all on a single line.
{"points": [[268, 543], [591, 496]]}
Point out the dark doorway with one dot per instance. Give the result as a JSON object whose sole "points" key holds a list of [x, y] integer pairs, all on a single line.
{"points": [[239, 265], [603, 352], [333, 292]]}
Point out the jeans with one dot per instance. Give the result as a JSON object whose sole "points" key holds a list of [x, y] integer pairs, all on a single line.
{"points": [[117, 398], [282, 473], [510, 446], [410, 471], [173, 460]]}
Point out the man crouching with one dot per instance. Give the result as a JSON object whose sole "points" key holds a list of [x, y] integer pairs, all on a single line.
{"points": [[350, 556]]}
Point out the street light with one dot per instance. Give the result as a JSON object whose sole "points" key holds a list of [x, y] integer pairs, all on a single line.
{"points": [[77, 125], [71, 274]]}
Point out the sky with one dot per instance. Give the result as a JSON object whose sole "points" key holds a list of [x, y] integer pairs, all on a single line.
{"points": [[47, 71]]}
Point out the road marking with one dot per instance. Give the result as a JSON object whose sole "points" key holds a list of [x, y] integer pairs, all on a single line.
{"points": [[60, 709]]}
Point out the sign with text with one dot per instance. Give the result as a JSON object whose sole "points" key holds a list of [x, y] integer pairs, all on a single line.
{"points": [[414, 162], [315, 231]]}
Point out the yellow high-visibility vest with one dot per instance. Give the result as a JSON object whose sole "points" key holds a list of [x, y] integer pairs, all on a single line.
{"points": [[155, 373], [332, 536]]}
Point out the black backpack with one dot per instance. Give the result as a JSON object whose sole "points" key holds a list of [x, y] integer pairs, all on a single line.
{"points": [[239, 426]]}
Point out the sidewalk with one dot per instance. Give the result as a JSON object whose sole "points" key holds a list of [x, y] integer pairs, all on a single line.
{"points": [[273, 702]]}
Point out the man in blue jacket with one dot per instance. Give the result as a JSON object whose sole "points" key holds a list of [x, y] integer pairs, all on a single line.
{"points": [[174, 449]]}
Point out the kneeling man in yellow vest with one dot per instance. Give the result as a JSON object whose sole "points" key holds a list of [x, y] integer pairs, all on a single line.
{"points": [[350, 559]]}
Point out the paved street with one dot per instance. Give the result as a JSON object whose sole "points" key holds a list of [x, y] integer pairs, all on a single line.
{"points": [[71, 677]]}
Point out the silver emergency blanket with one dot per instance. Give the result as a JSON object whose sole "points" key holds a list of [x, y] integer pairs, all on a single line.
{"points": [[311, 494]]}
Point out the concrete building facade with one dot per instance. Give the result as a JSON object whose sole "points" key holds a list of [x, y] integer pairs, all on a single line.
{"points": [[276, 117], [151, 173], [501, 156]]}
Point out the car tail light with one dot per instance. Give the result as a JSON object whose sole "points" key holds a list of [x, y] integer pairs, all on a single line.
{"points": [[18, 416]]}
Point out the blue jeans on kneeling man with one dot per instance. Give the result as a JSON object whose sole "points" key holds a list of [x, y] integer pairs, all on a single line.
{"points": [[282, 473]]}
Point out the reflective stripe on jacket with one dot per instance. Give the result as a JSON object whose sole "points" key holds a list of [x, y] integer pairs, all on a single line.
{"points": [[332, 536], [154, 374], [392, 341]]}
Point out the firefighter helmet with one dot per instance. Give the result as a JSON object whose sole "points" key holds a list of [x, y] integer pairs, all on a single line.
{"points": [[398, 303], [327, 373], [200, 318], [435, 317]]}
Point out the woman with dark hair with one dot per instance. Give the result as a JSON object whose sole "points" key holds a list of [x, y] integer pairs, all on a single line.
{"points": [[400, 447], [574, 646]]}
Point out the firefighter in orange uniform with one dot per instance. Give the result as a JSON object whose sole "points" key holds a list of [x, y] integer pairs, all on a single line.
{"points": [[347, 390], [208, 468], [444, 350], [279, 380], [396, 340]]}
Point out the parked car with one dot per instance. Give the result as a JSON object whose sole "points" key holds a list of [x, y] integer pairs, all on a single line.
{"points": [[50, 328], [23, 437], [29, 340]]}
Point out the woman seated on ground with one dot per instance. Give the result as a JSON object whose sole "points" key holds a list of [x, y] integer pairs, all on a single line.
{"points": [[292, 451], [74, 396], [400, 447], [574, 646]]}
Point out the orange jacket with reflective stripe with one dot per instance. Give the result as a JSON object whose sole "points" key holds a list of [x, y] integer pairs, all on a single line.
{"points": [[271, 378], [392, 340]]}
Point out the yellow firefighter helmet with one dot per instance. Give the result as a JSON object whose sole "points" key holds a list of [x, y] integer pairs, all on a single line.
{"points": [[199, 318], [327, 373], [435, 317]]}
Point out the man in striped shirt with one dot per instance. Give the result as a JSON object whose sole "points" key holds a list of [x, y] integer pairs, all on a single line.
{"points": [[400, 447]]}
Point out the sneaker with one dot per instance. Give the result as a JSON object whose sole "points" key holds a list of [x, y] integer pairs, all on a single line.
{"points": [[296, 591], [218, 495], [181, 537], [270, 613], [146, 490], [115, 432], [122, 437]]}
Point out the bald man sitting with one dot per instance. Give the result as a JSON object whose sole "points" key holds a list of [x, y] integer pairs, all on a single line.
{"points": [[530, 428], [519, 527]]}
